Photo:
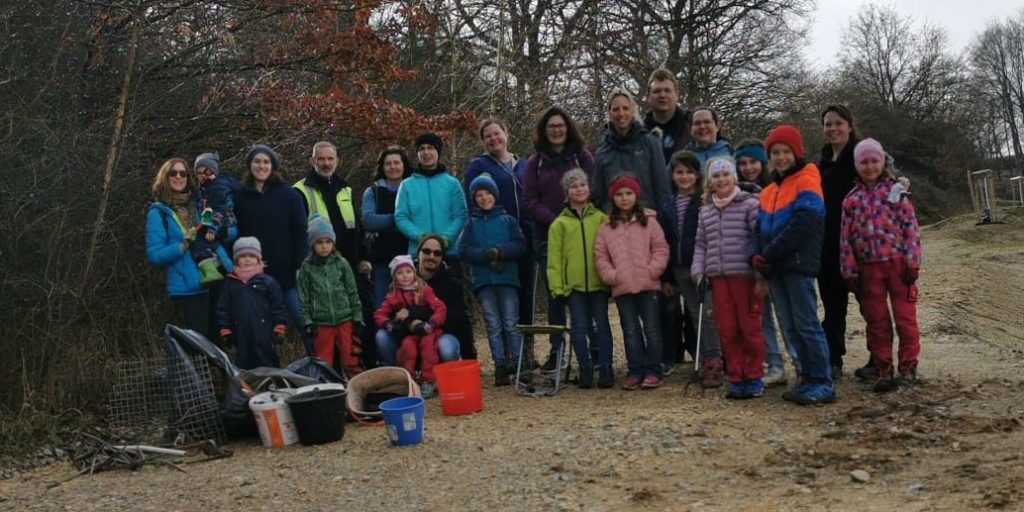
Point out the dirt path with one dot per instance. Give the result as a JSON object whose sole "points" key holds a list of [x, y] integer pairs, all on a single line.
{"points": [[954, 443]]}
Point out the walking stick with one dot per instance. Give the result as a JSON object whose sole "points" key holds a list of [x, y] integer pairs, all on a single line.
{"points": [[702, 289]]}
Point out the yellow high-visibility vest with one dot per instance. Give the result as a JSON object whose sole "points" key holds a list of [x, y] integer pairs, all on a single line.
{"points": [[317, 206]]}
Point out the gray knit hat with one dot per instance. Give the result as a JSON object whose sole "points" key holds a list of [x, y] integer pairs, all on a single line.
{"points": [[275, 160], [574, 176], [209, 160], [319, 227], [248, 245]]}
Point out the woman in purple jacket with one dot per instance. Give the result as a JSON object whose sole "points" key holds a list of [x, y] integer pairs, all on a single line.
{"points": [[560, 149]]}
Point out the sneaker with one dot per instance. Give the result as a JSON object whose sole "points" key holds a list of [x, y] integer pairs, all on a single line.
{"points": [[755, 388], [790, 394], [867, 372], [427, 390], [775, 376], [885, 384], [816, 394], [586, 377], [651, 382], [632, 382], [606, 379], [667, 369], [737, 390], [501, 376], [711, 375]]}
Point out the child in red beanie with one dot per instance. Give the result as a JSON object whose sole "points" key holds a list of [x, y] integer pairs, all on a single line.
{"points": [[792, 228]]}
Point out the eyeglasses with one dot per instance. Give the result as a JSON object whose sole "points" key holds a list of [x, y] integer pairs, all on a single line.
{"points": [[207, 172], [177, 173], [431, 252], [554, 127]]}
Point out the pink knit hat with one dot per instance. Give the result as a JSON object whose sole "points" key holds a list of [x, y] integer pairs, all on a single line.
{"points": [[868, 148]]}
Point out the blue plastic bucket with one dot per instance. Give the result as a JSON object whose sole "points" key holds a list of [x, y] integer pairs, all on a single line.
{"points": [[403, 418]]}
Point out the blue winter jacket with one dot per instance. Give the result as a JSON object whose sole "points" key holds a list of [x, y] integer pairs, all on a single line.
{"points": [[681, 247], [251, 311], [277, 218], [720, 147], [431, 204], [510, 184], [164, 235], [485, 230]]}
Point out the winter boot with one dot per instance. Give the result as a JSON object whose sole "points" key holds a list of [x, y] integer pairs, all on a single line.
{"points": [[710, 373], [867, 372], [606, 377], [501, 376], [208, 272], [586, 377], [737, 390], [206, 218]]}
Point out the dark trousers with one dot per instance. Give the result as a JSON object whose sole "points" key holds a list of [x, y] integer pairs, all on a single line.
{"points": [[199, 312], [835, 298]]}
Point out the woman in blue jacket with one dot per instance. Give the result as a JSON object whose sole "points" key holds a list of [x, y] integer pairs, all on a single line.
{"points": [[269, 209], [381, 235], [170, 229]]}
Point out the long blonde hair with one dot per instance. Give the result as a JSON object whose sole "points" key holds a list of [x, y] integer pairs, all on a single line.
{"points": [[162, 188]]}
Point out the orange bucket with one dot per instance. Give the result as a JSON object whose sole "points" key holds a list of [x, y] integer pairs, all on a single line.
{"points": [[459, 386]]}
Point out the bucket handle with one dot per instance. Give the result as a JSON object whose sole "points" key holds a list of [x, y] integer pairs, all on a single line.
{"points": [[363, 422]]}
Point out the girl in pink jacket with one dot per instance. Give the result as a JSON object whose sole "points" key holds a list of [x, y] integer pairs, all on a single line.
{"points": [[631, 254], [727, 238]]}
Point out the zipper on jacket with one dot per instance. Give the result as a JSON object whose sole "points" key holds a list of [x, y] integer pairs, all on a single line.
{"points": [[586, 264], [721, 239]]}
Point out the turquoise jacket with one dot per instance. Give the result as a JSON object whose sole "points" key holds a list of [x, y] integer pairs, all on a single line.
{"points": [[431, 204]]}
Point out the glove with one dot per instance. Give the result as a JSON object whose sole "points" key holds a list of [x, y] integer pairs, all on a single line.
{"points": [[492, 254], [423, 328], [309, 331], [278, 338], [228, 338], [853, 284], [761, 265], [909, 275]]}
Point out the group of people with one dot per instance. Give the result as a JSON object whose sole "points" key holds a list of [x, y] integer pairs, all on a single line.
{"points": [[666, 209]]}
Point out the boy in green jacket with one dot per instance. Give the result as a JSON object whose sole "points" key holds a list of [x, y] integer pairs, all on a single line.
{"points": [[329, 300], [572, 273]]}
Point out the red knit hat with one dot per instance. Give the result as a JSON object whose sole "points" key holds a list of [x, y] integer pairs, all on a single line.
{"points": [[623, 181], [789, 135]]}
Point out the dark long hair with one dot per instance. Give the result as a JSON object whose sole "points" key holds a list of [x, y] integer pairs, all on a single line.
{"points": [[844, 113], [572, 132], [714, 117], [393, 150]]}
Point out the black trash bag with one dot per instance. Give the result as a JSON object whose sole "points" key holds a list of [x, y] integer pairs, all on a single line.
{"points": [[181, 343], [316, 368], [189, 388]]}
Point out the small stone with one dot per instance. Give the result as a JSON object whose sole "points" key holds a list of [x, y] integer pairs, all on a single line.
{"points": [[860, 476], [915, 489]]}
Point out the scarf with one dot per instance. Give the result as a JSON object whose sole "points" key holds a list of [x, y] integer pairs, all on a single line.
{"points": [[244, 274], [181, 203], [722, 202]]}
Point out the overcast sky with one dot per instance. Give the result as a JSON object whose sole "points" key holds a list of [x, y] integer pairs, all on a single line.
{"points": [[962, 19]]}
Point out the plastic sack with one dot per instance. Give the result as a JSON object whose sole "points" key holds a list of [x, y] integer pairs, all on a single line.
{"points": [[317, 369]]}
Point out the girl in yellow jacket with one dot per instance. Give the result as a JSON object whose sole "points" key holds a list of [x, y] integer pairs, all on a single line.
{"points": [[572, 273]]}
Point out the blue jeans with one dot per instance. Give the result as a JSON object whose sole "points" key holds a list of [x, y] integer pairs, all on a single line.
{"points": [[773, 354], [556, 305], [643, 349], [387, 348], [589, 310], [797, 304], [500, 307], [381, 282]]}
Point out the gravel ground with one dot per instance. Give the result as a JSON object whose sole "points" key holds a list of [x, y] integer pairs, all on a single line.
{"points": [[953, 443]]}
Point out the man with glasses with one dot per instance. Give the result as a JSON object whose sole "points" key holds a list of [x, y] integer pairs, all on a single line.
{"points": [[458, 328]]}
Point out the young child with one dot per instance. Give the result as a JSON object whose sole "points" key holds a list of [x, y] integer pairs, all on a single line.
{"points": [[251, 311], [413, 313], [631, 254], [329, 305], [726, 239], [679, 221], [792, 229], [492, 242], [880, 255], [217, 217], [572, 273], [752, 164]]}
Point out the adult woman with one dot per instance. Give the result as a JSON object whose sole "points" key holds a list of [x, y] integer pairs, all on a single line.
{"points": [[383, 239], [628, 147], [838, 173], [170, 230], [706, 139], [272, 211], [560, 149], [506, 169]]}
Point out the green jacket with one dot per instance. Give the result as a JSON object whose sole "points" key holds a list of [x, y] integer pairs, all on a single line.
{"points": [[571, 264], [327, 291]]}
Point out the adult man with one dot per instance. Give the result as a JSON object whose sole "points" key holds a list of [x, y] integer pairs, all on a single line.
{"points": [[458, 328], [669, 121], [666, 119], [327, 194]]}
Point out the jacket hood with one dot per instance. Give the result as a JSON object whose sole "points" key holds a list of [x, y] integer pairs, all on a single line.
{"points": [[497, 211], [612, 136]]}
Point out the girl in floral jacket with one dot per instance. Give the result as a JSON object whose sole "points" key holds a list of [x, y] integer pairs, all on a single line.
{"points": [[880, 256]]}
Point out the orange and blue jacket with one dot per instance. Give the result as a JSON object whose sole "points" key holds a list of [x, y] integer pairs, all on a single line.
{"points": [[792, 221]]}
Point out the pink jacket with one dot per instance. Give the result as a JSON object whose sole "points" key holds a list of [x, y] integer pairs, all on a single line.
{"points": [[631, 257], [875, 229]]}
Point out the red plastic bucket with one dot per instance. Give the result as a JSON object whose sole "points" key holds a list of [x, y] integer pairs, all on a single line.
{"points": [[459, 386]]}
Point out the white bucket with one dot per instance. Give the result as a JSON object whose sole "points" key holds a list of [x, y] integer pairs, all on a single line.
{"points": [[274, 419]]}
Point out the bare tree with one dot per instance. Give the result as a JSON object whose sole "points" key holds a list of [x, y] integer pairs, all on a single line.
{"points": [[997, 58]]}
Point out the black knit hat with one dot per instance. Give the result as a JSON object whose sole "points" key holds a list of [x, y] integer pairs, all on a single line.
{"points": [[685, 157], [275, 161], [430, 138]]}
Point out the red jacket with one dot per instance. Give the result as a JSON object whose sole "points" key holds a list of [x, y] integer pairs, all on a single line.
{"points": [[631, 258], [397, 299]]}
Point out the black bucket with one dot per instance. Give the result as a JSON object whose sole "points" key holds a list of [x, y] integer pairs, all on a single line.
{"points": [[319, 415]]}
